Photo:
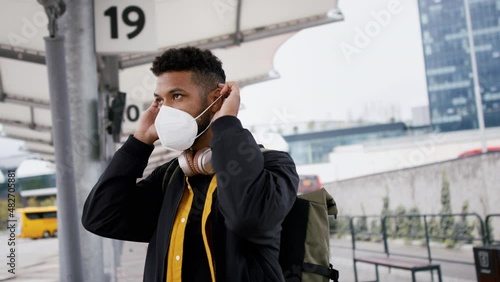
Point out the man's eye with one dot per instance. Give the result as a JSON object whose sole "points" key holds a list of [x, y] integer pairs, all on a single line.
{"points": [[158, 100], [176, 96]]}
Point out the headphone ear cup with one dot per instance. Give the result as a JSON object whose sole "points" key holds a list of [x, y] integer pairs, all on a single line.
{"points": [[185, 163], [203, 161]]}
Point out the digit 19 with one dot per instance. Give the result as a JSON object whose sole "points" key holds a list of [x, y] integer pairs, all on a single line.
{"points": [[139, 23]]}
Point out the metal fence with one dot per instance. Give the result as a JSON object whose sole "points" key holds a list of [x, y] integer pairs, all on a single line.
{"points": [[489, 235], [449, 229]]}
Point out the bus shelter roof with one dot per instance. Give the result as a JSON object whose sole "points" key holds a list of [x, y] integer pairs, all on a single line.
{"points": [[245, 35]]}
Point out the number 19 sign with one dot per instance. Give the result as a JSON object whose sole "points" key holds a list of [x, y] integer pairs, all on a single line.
{"points": [[124, 26]]}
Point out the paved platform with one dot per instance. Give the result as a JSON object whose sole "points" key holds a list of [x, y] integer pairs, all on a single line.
{"points": [[39, 261]]}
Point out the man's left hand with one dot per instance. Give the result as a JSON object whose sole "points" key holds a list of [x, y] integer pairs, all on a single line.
{"points": [[231, 100]]}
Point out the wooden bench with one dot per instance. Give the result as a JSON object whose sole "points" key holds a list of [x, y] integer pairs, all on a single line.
{"points": [[413, 266]]}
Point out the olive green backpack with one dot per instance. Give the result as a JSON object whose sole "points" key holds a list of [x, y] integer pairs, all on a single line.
{"points": [[305, 239]]}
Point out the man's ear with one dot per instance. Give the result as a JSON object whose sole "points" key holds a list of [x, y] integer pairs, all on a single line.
{"points": [[216, 94]]}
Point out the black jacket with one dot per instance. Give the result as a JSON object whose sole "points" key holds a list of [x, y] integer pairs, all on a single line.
{"points": [[255, 192]]}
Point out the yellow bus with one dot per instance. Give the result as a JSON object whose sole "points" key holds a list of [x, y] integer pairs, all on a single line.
{"points": [[37, 222]]}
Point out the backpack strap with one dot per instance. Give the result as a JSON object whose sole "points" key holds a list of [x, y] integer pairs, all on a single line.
{"points": [[329, 272], [169, 173]]}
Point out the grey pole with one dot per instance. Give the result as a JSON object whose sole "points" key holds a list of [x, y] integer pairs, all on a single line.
{"points": [[70, 267], [108, 87], [477, 89], [78, 27]]}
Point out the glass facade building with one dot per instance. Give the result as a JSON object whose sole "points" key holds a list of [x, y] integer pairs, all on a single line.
{"points": [[315, 147], [446, 47], [30, 183]]}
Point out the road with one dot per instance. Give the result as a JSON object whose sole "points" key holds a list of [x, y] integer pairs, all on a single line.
{"points": [[36, 260]]}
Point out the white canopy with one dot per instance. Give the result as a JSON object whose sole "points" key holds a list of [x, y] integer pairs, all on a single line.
{"points": [[243, 34]]}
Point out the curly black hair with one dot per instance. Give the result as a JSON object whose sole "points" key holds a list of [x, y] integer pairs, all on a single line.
{"points": [[205, 66]]}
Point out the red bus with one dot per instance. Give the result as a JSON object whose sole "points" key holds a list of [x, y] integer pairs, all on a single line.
{"points": [[478, 152], [309, 183]]}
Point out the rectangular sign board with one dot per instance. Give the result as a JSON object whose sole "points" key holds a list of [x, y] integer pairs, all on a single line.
{"points": [[125, 26]]}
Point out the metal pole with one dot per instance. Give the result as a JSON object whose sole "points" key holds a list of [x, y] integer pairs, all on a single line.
{"points": [[108, 87], [427, 239], [70, 267], [78, 27], [353, 236], [2, 94], [477, 89], [353, 240], [384, 234]]}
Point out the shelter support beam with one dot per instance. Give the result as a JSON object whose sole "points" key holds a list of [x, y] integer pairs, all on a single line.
{"points": [[22, 54]]}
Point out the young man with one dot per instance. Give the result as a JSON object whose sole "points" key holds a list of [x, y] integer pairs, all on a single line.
{"points": [[216, 215]]}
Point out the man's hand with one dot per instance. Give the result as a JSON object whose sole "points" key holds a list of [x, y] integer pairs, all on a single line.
{"points": [[231, 102], [146, 130]]}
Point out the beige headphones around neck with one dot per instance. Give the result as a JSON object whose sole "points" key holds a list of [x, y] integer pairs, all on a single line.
{"points": [[200, 163]]}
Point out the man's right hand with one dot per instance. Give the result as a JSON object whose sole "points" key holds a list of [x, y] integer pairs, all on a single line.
{"points": [[146, 130]]}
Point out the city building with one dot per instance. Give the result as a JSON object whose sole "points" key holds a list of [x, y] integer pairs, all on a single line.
{"points": [[448, 67], [315, 147], [399, 153]]}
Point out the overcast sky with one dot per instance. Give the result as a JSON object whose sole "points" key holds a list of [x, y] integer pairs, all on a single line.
{"points": [[9, 147], [326, 73], [321, 81]]}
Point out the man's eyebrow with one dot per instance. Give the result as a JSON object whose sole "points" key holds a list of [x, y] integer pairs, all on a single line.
{"points": [[172, 91], [176, 90]]}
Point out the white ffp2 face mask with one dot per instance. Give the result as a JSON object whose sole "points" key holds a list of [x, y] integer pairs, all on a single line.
{"points": [[177, 129]]}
